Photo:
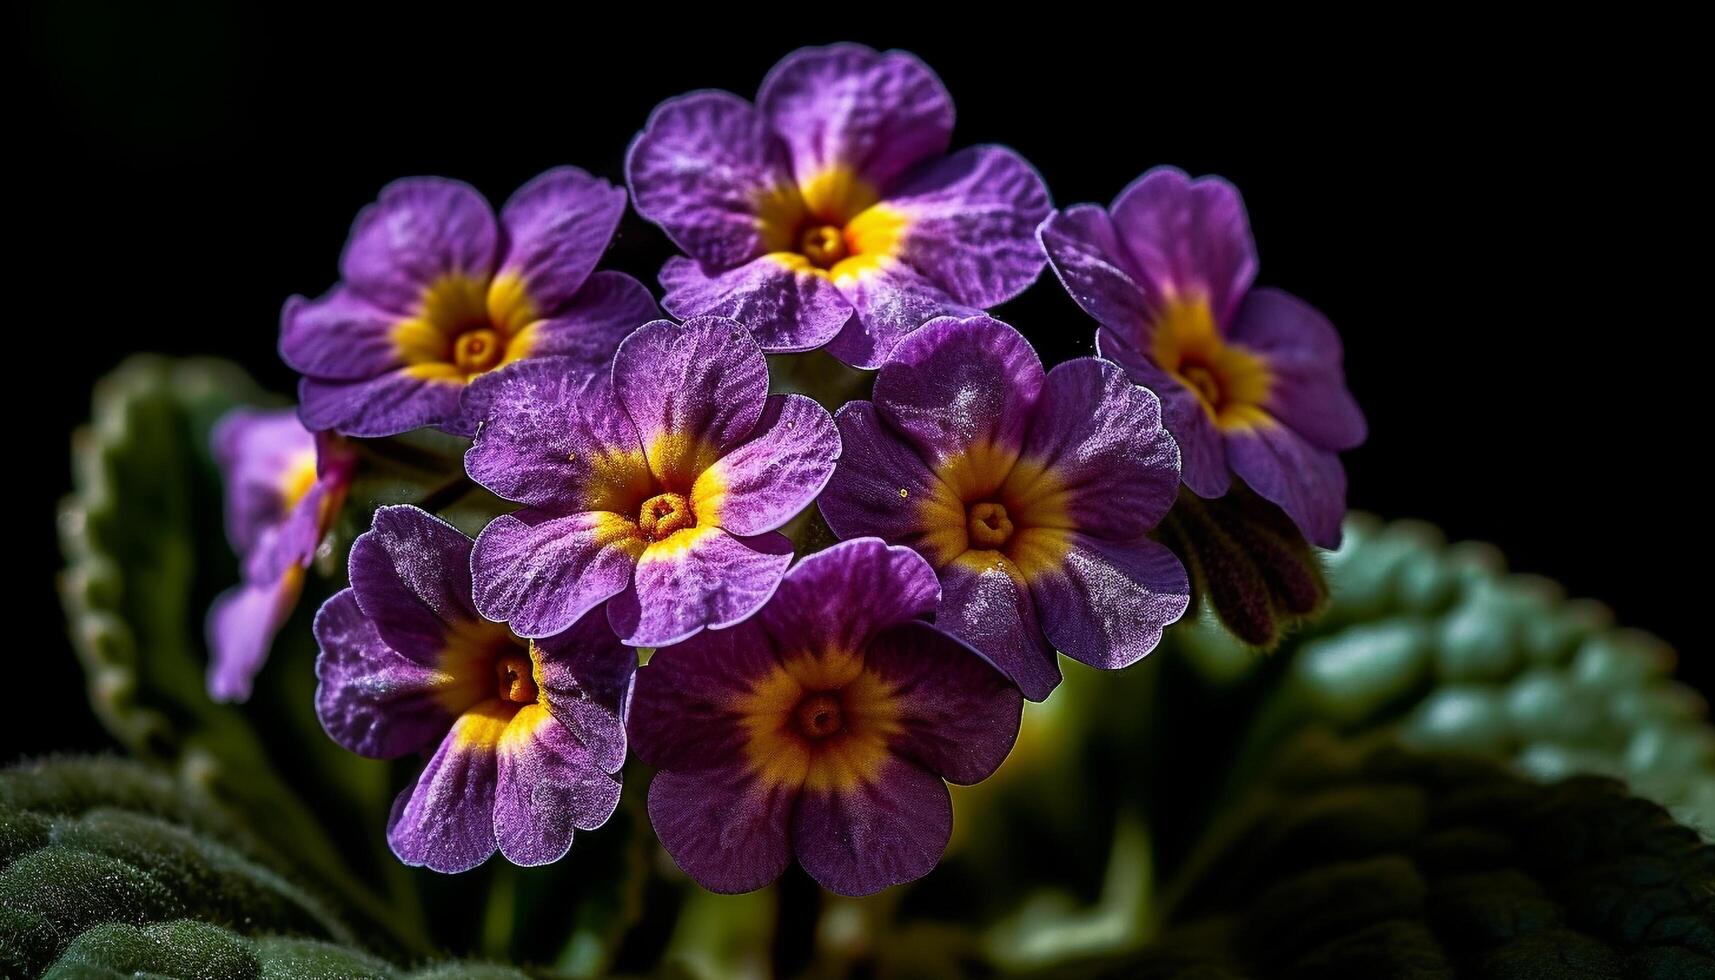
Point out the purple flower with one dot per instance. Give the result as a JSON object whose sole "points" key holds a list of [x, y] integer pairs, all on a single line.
{"points": [[823, 728], [1250, 379], [659, 484], [829, 210], [531, 734], [1030, 494], [434, 292], [284, 486]]}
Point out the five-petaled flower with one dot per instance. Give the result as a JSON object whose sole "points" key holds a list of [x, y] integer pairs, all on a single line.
{"points": [[1250, 379], [1030, 493], [284, 486], [823, 727], [434, 293], [829, 210], [659, 484], [530, 732]]}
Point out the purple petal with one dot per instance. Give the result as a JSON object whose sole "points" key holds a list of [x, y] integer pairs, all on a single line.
{"points": [[958, 385], [419, 230], [1100, 438], [704, 168], [722, 826], [787, 309], [258, 452], [411, 574], [841, 597], [372, 699], [848, 106], [1307, 389], [387, 405], [242, 623], [767, 481], [590, 325], [557, 227], [556, 439], [1306, 482], [586, 676], [446, 821], [1188, 236], [547, 787], [540, 574], [338, 337], [1106, 603], [988, 606], [700, 577], [680, 716], [971, 224], [693, 392], [958, 714], [1202, 454], [1086, 254], [874, 835], [891, 301], [882, 488]]}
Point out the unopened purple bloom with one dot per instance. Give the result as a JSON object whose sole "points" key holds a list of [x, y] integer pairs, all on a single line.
{"points": [[658, 485], [1030, 494], [284, 486], [435, 292], [829, 210], [826, 728], [1250, 380], [530, 733]]}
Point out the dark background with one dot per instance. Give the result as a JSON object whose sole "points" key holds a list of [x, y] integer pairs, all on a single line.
{"points": [[1490, 224]]}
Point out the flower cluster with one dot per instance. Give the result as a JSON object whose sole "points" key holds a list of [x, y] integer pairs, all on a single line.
{"points": [[652, 494]]}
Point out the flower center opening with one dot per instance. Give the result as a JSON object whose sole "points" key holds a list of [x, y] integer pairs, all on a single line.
{"points": [[989, 526], [819, 716], [516, 682], [1206, 383], [823, 245], [663, 514], [478, 349]]}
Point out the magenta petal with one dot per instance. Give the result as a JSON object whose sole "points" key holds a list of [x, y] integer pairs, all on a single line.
{"points": [[1308, 385], [971, 224], [880, 484], [1306, 482], [411, 575], [959, 383], [891, 302], [1086, 254], [557, 227], [586, 675], [1202, 454], [550, 426], [540, 574], [1101, 436], [1107, 602], [1188, 236], [547, 788], [786, 309], [876, 834], [768, 480], [338, 336], [704, 381], [242, 623], [371, 698], [387, 405], [841, 597], [679, 717], [958, 715], [847, 105], [989, 609], [714, 580], [722, 827], [446, 821], [700, 169], [419, 230]]}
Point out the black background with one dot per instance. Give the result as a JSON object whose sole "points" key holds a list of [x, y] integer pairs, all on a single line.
{"points": [[1496, 228]]}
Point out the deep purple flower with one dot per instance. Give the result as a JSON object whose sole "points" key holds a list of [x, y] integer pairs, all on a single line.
{"points": [[824, 727], [659, 484], [531, 733], [1250, 379], [434, 293], [284, 486], [829, 210], [1030, 494]]}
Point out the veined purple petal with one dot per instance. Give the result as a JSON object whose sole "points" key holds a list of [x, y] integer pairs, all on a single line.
{"points": [[876, 834], [548, 787], [1107, 602], [338, 336], [1085, 252], [371, 698], [881, 487], [958, 384], [723, 827], [709, 579], [891, 302], [446, 821], [1307, 389], [971, 224], [586, 676], [787, 309], [680, 716], [1306, 482], [540, 574], [841, 597], [557, 227], [257, 451], [1202, 455], [592, 322], [1188, 236], [958, 714], [693, 392], [766, 481], [242, 623], [419, 230], [386, 405], [986, 606], [411, 575]]}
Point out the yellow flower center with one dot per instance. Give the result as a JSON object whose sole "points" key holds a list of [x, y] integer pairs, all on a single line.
{"points": [[466, 326], [514, 673], [989, 525], [833, 224], [823, 245], [1230, 382], [819, 716], [663, 514], [478, 350]]}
